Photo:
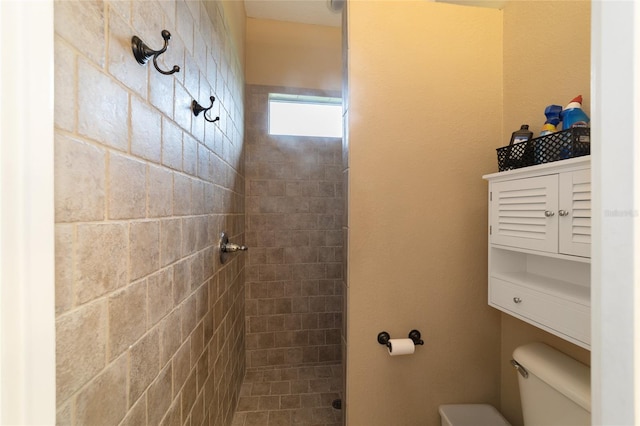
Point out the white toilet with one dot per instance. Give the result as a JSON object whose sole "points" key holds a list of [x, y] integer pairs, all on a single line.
{"points": [[555, 390]]}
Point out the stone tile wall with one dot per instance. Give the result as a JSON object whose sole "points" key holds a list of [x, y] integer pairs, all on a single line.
{"points": [[294, 218], [149, 324]]}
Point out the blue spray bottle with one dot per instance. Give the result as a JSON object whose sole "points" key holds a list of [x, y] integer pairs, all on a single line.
{"points": [[552, 112], [573, 115]]}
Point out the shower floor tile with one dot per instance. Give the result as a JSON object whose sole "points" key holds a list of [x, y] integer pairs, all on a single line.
{"points": [[291, 396]]}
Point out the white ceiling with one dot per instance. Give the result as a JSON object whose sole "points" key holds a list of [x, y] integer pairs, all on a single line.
{"points": [[319, 12], [492, 4], [303, 11]]}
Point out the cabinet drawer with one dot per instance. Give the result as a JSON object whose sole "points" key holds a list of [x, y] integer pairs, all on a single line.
{"points": [[559, 316]]}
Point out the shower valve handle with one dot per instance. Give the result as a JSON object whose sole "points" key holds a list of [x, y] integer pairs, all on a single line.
{"points": [[232, 247], [227, 247]]}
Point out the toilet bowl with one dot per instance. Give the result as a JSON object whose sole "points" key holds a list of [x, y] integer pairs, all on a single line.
{"points": [[555, 390]]}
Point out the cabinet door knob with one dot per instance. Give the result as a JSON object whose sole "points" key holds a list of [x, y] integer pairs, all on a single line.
{"points": [[563, 213], [548, 213], [517, 300]]}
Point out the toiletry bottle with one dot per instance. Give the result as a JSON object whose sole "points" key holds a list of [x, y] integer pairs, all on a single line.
{"points": [[522, 135], [573, 115], [521, 155]]}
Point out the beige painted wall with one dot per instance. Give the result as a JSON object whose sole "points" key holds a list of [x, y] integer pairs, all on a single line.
{"points": [[235, 19], [425, 103], [548, 63], [546, 59], [293, 55]]}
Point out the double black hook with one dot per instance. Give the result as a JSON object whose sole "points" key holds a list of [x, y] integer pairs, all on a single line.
{"points": [[142, 52], [197, 109]]}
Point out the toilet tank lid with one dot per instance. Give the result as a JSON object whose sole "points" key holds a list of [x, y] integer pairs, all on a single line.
{"points": [[471, 415], [558, 370]]}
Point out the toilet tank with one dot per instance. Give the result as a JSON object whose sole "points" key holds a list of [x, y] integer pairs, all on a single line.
{"points": [[557, 390]]}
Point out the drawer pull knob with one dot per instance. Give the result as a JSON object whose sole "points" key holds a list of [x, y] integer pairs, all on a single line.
{"points": [[517, 300], [563, 213], [548, 213]]}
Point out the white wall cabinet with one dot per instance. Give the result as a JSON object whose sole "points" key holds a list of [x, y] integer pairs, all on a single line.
{"points": [[539, 246]]}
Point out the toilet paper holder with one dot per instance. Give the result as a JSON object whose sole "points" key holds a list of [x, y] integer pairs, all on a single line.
{"points": [[414, 335]]}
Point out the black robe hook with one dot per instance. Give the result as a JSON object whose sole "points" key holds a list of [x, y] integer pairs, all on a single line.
{"points": [[142, 52], [197, 109]]}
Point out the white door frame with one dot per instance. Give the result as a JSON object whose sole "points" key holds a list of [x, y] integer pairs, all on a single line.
{"points": [[27, 295], [615, 291]]}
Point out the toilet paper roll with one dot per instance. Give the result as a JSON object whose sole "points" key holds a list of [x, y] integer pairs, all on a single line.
{"points": [[401, 347]]}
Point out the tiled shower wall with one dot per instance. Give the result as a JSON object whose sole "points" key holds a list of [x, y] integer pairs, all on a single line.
{"points": [[294, 220], [149, 324]]}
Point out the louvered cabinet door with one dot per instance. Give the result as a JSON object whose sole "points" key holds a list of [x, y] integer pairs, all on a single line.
{"points": [[523, 213], [575, 213]]}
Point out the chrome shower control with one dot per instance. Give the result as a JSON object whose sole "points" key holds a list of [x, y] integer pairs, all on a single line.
{"points": [[232, 247], [227, 247]]}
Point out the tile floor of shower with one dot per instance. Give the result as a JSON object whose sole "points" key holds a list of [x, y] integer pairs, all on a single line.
{"points": [[290, 396]]}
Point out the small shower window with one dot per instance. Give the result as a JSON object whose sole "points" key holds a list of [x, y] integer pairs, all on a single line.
{"points": [[296, 115]]}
